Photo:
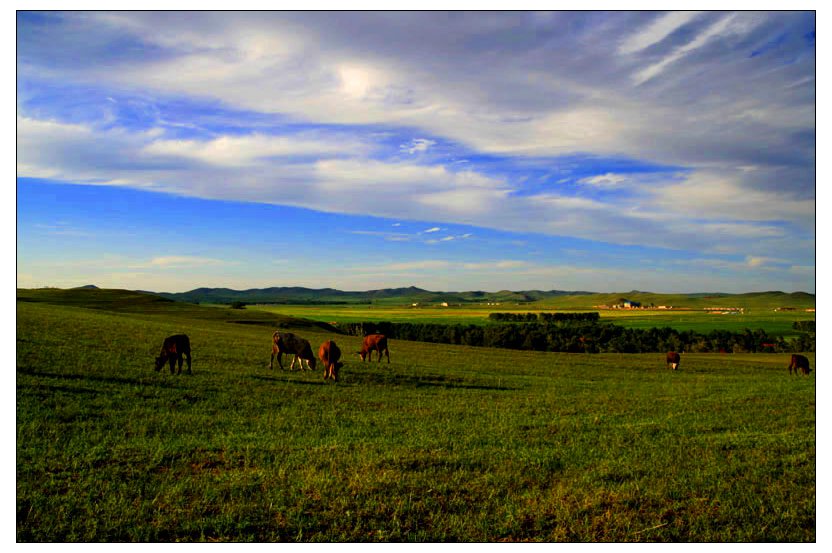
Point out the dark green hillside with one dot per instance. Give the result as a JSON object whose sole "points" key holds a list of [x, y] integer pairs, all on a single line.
{"points": [[387, 296], [142, 303]]}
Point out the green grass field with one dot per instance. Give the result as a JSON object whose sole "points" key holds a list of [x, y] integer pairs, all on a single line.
{"points": [[446, 443], [773, 322]]}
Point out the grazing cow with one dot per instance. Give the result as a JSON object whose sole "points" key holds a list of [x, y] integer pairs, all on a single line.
{"points": [[374, 342], [799, 362], [173, 349], [286, 342], [330, 353], [673, 359]]}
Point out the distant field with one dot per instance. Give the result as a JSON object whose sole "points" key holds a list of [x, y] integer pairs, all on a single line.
{"points": [[447, 443], [775, 323]]}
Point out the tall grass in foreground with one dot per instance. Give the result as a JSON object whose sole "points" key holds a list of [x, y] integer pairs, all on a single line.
{"points": [[447, 443]]}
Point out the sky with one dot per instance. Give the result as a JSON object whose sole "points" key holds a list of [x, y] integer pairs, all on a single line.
{"points": [[594, 151]]}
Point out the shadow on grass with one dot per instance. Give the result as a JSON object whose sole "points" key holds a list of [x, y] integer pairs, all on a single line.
{"points": [[289, 381], [166, 382], [437, 381], [350, 379]]}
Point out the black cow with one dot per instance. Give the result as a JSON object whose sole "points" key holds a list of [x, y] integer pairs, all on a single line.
{"points": [[800, 363], [286, 342], [174, 348]]}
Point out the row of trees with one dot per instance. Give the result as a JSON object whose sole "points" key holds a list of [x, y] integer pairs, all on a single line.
{"points": [[544, 317], [804, 326], [585, 337]]}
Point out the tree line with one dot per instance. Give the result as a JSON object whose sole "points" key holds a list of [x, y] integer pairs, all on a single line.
{"points": [[582, 336], [544, 317]]}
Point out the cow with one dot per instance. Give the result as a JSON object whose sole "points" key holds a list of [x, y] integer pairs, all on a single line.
{"points": [[330, 353], [374, 342], [286, 342], [173, 349], [673, 359], [799, 362]]}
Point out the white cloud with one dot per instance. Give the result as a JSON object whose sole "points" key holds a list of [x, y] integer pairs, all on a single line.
{"points": [[722, 196], [239, 151], [418, 145], [606, 180], [723, 25], [432, 229], [176, 262], [658, 30]]}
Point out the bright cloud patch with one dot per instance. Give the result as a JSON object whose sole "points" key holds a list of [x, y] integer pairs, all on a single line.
{"points": [[418, 145]]}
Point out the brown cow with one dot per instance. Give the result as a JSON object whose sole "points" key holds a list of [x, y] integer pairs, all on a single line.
{"points": [[374, 342], [330, 353], [673, 359], [799, 362], [286, 342], [173, 349]]}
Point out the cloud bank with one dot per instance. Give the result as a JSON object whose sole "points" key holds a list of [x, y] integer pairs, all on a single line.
{"points": [[679, 130]]}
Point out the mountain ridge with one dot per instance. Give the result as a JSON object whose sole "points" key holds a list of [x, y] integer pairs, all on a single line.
{"points": [[413, 295]]}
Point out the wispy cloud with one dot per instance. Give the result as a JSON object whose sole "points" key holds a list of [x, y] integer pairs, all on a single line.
{"points": [[719, 27], [176, 262], [656, 31]]}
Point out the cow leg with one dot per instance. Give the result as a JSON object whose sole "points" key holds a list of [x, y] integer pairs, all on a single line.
{"points": [[189, 364], [172, 363], [387, 352]]}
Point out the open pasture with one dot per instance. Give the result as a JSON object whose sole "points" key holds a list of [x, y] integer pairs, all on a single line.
{"points": [[773, 322], [447, 443]]}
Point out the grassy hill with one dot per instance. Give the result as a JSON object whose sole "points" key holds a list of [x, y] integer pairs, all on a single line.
{"points": [[148, 304], [536, 298]]}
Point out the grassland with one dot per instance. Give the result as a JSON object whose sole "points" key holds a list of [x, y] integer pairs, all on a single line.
{"points": [[447, 443], [773, 322]]}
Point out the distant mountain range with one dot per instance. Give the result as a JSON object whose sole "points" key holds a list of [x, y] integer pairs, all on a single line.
{"points": [[412, 294], [548, 298]]}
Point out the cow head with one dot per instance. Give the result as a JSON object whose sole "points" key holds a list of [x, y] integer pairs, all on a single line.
{"points": [[362, 354], [160, 361]]}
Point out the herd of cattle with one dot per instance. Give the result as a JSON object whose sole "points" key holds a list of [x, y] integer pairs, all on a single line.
{"points": [[175, 348]]}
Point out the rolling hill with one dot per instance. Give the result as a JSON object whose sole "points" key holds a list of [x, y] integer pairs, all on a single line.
{"points": [[553, 299]]}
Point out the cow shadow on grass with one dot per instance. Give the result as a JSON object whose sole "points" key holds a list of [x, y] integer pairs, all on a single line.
{"points": [[366, 378], [278, 378], [423, 381]]}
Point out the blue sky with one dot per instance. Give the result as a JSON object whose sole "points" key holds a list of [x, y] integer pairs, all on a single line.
{"points": [[602, 151]]}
